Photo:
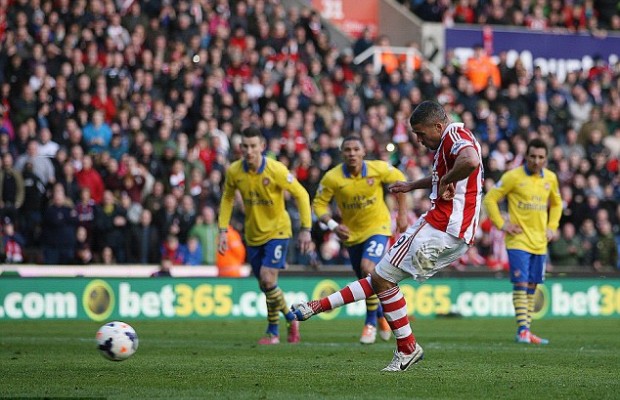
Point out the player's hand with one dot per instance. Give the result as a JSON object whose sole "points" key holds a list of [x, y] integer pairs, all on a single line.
{"points": [[305, 241], [512, 229], [401, 223], [343, 232], [222, 242], [551, 234], [400, 187], [446, 190]]}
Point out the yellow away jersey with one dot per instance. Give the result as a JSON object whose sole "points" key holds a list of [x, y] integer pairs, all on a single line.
{"points": [[263, 199], [534, 203], [359, 198]]}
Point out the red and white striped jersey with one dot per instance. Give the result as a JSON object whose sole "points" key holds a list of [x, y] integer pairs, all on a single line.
{"points": [[458, 217]]}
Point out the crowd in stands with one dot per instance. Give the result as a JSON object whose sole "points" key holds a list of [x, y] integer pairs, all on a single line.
{"points": [[119, 119], [593, 16]]}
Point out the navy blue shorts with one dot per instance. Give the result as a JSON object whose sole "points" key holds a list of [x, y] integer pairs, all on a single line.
{"points": [[271, 255], [526, 267], [371, 249]]}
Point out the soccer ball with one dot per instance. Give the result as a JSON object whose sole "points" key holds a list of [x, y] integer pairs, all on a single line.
{"points": [[117, 341]]}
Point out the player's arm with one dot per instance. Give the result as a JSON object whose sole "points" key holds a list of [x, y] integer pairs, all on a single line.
{"points": [[465, 163], [302, 199], [555, 210], [405, 187], [226, 206], [494, 197], [320, 204], [401, 217], [303, 204], [392, 175]]}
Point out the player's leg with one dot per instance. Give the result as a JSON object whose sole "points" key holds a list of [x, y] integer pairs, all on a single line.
{"points": [[423, 252], [537, 273], [373, 251], [364, 256], [531, 303], [384, 282], [360, 289], [272, 259], [255, 255], [519, 261], [369, 332], [354, 291]]}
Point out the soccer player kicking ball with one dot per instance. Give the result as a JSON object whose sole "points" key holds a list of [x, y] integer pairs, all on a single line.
{"points": [[534, 210], [356, 186], [262, 183], [437, 239]]}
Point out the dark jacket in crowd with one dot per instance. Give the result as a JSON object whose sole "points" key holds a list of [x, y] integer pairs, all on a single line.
{"points": [[143, 245], [59, 224]]}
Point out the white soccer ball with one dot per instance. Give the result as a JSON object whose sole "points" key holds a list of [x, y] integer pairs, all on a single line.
{"points": [[117, 341]]}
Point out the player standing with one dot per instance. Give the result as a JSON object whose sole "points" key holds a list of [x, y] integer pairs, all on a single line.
{"points": [[434, 241], [534, 210], [262, 182], [356, 185]]}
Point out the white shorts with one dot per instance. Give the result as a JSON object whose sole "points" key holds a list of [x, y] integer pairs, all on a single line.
{"points": [[420, 252]]}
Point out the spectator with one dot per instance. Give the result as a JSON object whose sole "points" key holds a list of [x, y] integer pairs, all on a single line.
{"points": [[154, 200], [167, 219], [363, 43], [111, 227], [85, 209], [144, 241], [481, 70], [171, 250], [580, 107], [191, 253], [430, 10], [97, 134], [47, 147], [83, 248], [389, 61], [230, 262], [567, 249], [58, 230], [13, 243], [205, 230], [88, 177], [34, 202], [12, 190], [164, 268], [107, 256], [606, 258], [69, 181], [588, 237], [42, 167]]}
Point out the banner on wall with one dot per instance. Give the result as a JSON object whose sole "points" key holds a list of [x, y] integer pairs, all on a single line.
{"points": [[552, 52], [169, 298], [350, 16]]}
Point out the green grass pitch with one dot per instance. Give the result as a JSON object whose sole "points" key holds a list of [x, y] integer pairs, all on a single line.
{"points": [[464, 359]]}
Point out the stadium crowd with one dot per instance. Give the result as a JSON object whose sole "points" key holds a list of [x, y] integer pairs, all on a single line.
{"points": [[593, 16], [118, 119]]}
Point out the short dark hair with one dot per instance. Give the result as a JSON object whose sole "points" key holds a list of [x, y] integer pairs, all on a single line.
{"points": [[350, 138], [252, 131], [537, 144], [428, 112]]}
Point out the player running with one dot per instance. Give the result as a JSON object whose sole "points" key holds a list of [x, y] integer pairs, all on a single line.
{"points": [[262, 182]]}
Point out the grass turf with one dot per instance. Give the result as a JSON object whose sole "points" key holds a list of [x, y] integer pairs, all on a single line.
{"points": [[464, 359]]}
